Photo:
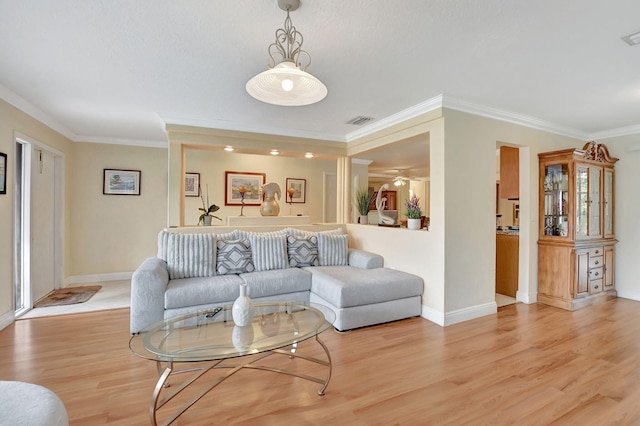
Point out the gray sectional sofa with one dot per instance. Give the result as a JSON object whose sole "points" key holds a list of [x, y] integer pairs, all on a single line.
{"points": [[201, 271]]}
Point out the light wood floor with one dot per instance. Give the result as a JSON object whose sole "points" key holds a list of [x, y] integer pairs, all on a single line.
{"points": [[529, 365]]}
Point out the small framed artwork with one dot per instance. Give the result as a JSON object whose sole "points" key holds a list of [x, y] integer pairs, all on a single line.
{"points": [[3, 173], [121, 182], [296, 190], [243, 186], [192, 184]]}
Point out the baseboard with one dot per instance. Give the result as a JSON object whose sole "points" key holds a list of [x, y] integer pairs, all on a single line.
{"points": [[433, 315], [470, 313], [528, 298], [97, 278], [6, 320], [631, 295]]}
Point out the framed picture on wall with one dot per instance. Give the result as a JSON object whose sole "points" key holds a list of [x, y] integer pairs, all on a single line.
{"points": [[239, 183], [3, 173], [121, 182], [192, 184], [299, 190]]}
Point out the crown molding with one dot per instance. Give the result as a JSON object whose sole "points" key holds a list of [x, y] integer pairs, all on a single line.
{"points": [[130, 142], [614, 133], [361, 161], [512, 117], [397, 118], [28, 108], [233, 126]]}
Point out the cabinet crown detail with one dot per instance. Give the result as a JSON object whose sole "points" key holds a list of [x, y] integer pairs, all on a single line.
{"points": [[597, 152]]}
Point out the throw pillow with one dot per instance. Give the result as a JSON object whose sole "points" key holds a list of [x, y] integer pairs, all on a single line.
{"points": [[233, 256], [303, 233], [303, 251], [249, 234], [190, 255], [333, 249], [269, 251]]}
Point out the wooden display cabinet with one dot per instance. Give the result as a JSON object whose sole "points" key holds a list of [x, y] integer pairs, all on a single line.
{"points": [[577, 240]]}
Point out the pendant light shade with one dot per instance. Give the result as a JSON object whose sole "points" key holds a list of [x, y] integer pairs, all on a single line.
{"points": [[286, 82]]}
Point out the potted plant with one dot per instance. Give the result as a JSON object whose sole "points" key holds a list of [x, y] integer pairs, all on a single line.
{"points": [[207, 212], [414, 213], [363, 202]]}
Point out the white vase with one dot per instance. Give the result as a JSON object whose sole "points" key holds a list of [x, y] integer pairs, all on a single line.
{"points": [[242, 338], [242, 309], [364, 220], [206, 220], [413, 223]]}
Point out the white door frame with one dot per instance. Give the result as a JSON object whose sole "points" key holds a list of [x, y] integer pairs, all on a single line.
{"points": [[30, 145]]}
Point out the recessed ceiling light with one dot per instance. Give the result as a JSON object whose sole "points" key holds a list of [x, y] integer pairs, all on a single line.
{"points": [[308, 155], [275, 152], [632, 39], [228, 148]]}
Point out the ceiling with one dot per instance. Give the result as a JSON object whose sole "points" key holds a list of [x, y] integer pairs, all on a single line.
{"points": [[118, 70]]}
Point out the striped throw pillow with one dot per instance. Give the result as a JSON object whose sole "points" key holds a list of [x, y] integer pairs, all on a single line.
{"points": [[333, 249], [190, 255], [269, 252]]}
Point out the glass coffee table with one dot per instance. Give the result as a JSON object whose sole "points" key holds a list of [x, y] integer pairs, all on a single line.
{"points": [[210, 340]]}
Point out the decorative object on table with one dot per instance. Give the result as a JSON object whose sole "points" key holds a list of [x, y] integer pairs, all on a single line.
{"points": [[243, 192], [381, 202], [286, 82], [242, 309], [270, 206], [3, 173], [242, 338], [290, 192], [207, 212], [270, 324], [299, 190], [192, 184], [121, 182], [414, 213], [362, 199], [248, 180]]}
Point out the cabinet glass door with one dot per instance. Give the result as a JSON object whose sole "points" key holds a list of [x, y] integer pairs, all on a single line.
{"points": [[594, 201], [556, 195], [608, 203], [582, 200]]}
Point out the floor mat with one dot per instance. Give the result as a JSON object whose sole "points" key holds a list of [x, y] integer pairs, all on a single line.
{"points": [[68, 296]]}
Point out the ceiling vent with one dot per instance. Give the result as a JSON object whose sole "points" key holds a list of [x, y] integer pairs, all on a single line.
{"points": [[360, 120], [632, 39]]}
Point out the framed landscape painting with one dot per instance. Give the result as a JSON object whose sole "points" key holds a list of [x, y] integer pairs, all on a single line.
{"points": [[250, 182], [299, 187], [192, 184], [121, 182]]}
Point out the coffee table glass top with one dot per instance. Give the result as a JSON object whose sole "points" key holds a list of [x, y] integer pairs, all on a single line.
{"points": [[205, 336]]}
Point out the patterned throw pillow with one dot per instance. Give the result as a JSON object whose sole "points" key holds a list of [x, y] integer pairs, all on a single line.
{"points": [[303, 251], [269, 251], [333, 249], [190, 255], [233, 256]]}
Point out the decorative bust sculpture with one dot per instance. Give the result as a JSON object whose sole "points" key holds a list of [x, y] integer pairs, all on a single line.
{"points": [[381, 203], [270, 206]]}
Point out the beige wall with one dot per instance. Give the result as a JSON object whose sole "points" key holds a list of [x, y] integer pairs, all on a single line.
{"points": [[627, 213], [212, 166], [114, 233], [13, 122]]}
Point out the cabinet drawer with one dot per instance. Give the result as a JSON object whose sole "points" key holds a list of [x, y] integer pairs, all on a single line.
{"points": [[596, 274], [596, 261], [596, 251], [595, 286]]}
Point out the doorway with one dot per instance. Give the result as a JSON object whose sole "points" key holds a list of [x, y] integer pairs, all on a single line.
{"points": [[38, 231]]}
